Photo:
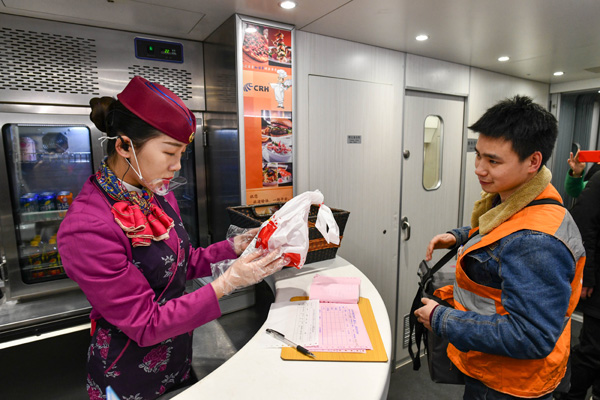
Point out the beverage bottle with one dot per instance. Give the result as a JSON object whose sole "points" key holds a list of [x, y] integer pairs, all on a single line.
{"points": [[51, 253], [35, 254]]}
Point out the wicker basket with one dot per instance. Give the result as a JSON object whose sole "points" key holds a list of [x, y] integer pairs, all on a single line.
{"points": [[318, 249]]}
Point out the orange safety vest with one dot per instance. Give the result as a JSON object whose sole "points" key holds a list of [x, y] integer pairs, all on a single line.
{"points": [[518, 377]]}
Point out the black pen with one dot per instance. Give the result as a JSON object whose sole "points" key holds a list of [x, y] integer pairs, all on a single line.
{"points": [[281, 336]]}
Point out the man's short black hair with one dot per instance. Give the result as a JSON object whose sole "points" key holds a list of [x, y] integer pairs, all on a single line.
{"points": [[527, 125]]}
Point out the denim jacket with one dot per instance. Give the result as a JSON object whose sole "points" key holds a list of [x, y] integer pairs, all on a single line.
{"points": [[534, 271]]}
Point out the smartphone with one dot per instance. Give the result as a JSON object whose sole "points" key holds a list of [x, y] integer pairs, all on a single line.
{"points": [[589, 155]]}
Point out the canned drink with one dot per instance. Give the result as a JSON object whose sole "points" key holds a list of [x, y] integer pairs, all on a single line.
{"points": [[28, 152], [29, 202], [64, 200], [47, 201]]}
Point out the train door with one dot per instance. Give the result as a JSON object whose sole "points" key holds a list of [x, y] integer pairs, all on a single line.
{"points": [[431, 180]]}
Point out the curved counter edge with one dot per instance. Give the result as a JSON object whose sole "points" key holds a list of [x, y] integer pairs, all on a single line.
{"points": [[256, 372]]}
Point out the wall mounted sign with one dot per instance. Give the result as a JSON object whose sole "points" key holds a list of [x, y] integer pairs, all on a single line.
{"points": [[267, 112]]}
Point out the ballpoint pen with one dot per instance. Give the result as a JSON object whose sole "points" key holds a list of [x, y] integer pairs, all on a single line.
{"points": [[281, 336]]}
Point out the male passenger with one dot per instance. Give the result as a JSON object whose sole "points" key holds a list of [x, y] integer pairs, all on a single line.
{"points": [[518, 280]]}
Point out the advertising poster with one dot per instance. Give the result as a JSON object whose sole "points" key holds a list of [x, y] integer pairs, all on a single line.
{"points": [[267, 86]]}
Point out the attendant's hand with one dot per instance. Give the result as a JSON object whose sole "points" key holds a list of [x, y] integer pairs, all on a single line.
{"points": [[442, 241], [240, 242], [424, 312], [576, 166], [248, 270], [586, 292]]}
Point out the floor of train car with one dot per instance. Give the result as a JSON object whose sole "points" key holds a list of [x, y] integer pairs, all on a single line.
{"points": [[54, 368]]}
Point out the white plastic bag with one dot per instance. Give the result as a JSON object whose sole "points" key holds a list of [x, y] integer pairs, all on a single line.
{"points": [[287, 229]]}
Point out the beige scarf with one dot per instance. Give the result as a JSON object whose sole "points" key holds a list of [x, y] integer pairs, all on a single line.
{"points": [[487, 218]]}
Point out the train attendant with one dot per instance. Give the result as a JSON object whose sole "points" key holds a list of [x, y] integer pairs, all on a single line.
{"points": [[124, 243]]}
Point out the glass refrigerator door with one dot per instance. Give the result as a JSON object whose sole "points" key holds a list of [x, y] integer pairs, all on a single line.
{"points": [[47, 166]]}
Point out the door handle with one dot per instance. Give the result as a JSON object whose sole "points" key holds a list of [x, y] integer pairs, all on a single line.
{"points": [[3, 271], [406, 227]]}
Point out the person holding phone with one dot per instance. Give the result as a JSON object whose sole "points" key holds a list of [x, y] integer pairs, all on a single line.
{"points": [[575, 181]]}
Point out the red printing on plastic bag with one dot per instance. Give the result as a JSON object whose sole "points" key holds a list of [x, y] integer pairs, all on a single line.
{"points": [[294, 259], [262, 241]]}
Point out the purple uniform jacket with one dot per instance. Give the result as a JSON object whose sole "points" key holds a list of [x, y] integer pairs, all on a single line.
{"points": [[142, 343]]}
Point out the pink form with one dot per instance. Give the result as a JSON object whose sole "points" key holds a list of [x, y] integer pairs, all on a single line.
{"points": [[334, 289], [341, 327]]}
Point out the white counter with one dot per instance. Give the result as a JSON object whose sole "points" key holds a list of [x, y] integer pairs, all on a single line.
{"points": [[256, 372]]}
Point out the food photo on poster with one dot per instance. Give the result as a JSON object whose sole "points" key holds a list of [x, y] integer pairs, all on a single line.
{"points": [[280, 51], [284, 174], [278, 150], [263, 43], [269, 174], [255, 43], [277, 174], [276, 123]]}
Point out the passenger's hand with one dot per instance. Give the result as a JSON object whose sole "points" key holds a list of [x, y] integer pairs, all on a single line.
{"points": [[586, 292], [240, 242], [248, 270], [424, 312], [442, 241], [576, 166]]}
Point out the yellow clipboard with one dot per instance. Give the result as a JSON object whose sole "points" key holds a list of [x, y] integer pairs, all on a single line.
{"points": [[376, 355]]}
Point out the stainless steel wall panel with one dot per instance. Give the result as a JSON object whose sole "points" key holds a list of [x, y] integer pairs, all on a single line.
{"points": [[220, 69], [47, 62], [222, 152]]}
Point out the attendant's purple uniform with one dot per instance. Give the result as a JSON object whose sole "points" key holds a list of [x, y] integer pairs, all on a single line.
{"points": [[142, 345]]}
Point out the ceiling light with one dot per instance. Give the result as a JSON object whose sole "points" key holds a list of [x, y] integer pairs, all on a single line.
{"points": [[288, 5], [251, 29], [503, 58], [422, 38], [559, 73]]}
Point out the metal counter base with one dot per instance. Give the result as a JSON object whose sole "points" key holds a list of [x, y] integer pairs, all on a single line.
{"points": [[28, 319]]}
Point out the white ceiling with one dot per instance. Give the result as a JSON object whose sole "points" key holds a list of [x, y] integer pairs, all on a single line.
{"points": [[540, 36]]}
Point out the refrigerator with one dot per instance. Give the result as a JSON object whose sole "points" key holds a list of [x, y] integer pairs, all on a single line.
{"points": [[46, 156], [46, 166]]}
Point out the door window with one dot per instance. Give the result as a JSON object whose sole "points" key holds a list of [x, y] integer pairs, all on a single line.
{"points": [[432, 152]]}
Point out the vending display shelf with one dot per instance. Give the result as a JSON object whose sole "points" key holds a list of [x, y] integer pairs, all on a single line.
{"points": [[43, 272], [40, 216], [66, 157]]}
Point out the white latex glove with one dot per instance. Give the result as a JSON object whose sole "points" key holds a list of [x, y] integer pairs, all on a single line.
{"points": [[240, 238], [247, 270]]}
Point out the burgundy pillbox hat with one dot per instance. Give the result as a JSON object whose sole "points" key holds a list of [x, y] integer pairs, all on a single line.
{"points": [[159, 107]]}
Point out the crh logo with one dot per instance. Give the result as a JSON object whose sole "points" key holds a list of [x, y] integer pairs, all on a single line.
{"points": [[257, 88]]}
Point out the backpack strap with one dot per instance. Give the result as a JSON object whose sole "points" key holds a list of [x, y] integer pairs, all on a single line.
{"points": [[545, 201]]}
